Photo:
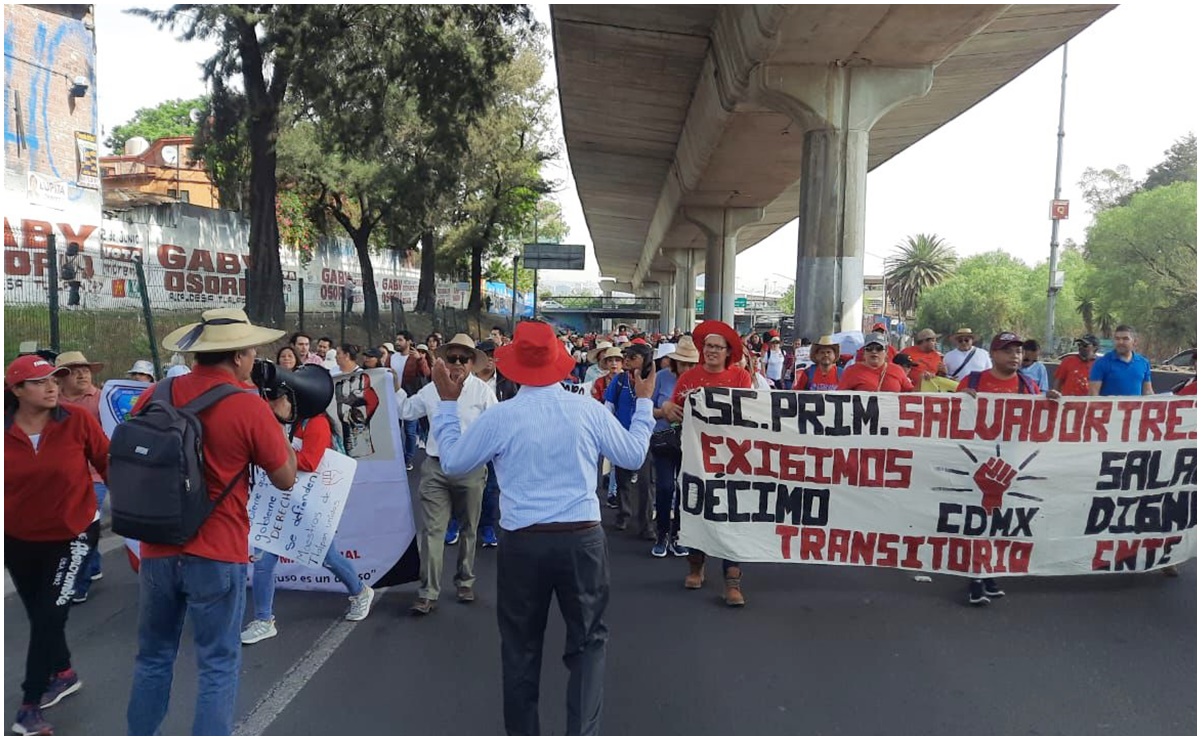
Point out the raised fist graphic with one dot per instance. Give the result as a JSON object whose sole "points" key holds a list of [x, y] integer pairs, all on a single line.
{"points": [[994, 478]]}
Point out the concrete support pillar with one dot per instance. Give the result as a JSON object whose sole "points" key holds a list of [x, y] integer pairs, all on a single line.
{"points": [[720, 227], [685, 288], [667, 304], [836, 105]]}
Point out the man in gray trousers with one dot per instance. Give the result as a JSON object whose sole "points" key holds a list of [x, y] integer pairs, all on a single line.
{"points": [[544, 444]]}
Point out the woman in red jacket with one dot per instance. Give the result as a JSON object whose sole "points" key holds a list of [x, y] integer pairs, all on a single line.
{"points": [[49, 505]]}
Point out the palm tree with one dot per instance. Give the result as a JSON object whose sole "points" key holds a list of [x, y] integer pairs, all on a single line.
{"points": [[1086, 306], [925, 260]]}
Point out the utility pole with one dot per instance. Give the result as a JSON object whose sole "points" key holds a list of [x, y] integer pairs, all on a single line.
{"points": [[1053, 266], [535, 269]]}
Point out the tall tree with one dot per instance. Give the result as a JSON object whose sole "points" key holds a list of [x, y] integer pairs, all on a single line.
{"points": [[924, 260], [263, 45], [1179, 164], [385, 128], [987, 292], [1107, 188], [502, 170], [1144, 260], [168, 118]]}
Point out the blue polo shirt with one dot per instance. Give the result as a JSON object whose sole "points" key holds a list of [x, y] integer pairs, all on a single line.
{"points": [[621, 394], [1119, 378]]}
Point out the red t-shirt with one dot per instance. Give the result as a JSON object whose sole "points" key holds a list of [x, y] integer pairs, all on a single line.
{"points": [[48, 494], [315, 437], [923, 362], [860, 377], [1072, 375], [1188, 389], [699, 377], [600, 385], [822, 380], [990, 383], [238, 431]]}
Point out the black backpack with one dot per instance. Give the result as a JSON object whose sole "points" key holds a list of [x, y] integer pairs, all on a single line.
{"points": [[156, 469]]}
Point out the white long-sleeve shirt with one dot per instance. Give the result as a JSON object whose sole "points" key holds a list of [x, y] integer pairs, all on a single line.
{"points": [[544, 444], [473, 401]]}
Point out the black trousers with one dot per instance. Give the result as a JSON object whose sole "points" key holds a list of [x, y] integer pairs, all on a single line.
{"points": [[44, 574], [634, 500], [574, 567]]}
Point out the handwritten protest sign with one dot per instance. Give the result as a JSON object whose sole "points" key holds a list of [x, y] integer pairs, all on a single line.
{"points": [[944, 483], [299, 524]]}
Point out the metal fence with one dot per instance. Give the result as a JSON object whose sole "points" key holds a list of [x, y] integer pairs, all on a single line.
{"points": [[119, 310]]}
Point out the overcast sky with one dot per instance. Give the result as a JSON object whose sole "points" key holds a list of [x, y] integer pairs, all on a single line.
{"points": [[982, 181]]}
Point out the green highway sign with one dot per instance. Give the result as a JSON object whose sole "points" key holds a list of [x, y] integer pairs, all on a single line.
{"points": [[740, 302]]}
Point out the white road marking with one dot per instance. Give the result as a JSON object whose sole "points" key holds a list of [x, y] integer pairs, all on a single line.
{"points": [[277, 699]]}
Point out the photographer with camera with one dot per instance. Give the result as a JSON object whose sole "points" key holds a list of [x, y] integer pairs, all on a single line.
{"points": [[204, 578], [300, 400]]}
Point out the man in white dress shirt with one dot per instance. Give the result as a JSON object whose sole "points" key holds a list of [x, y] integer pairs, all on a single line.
{"points": [[966, 358], [443, 495], [544, 444]]}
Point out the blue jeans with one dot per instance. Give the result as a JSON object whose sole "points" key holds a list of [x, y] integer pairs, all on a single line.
{"points": [[212, 595], [410, 432], [490, 509], [262, 581], [91, 566]]}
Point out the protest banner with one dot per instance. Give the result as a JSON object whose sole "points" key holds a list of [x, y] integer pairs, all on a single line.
{"points": [[299, 523], [376, 531], [941, 483]]}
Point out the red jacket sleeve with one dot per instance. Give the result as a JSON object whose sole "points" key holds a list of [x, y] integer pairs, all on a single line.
{"points": [[315, 440], [96, 444]]}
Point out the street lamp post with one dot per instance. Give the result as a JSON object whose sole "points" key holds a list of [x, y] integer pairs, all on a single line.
{"points": [[1053, 265]]}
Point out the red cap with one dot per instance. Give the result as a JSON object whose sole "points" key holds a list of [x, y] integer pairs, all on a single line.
{"points": [[638, 340], [30, 367], [1003, 340]]}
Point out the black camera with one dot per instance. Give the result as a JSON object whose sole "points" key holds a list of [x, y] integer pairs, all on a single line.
{"points": [[309, 387]]}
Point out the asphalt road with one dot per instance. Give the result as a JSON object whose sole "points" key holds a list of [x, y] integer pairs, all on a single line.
{"points": [[817, 650]]}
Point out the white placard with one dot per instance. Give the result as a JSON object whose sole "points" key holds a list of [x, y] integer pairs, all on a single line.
{"points": [[299, 524]]}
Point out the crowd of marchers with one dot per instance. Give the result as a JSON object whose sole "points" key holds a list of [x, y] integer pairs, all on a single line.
{"points": [[512, 456]]}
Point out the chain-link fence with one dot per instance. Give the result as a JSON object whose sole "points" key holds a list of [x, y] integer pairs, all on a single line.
{"points": [[119, 309]]}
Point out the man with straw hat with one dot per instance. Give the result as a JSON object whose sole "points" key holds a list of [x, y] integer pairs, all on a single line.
{"points": [[543, 443], [205, 578], [966, 358], [824, 374], [442, 495]]}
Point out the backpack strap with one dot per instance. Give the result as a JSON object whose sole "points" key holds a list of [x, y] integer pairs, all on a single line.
{"points": [[973, 379], [202, 402], [212, 396], [966, 360]]}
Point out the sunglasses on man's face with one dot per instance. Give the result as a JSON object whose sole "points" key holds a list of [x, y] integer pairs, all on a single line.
{"points": [[458, 359]]}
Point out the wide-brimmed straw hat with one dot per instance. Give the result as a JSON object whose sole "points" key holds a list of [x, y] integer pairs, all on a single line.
{"points": [[826, 342], [465, 342], [74, 359], [685, 351], [535, 356], [963, 333], [723, 330], [608, 352], [220, 330], [594, 354]]}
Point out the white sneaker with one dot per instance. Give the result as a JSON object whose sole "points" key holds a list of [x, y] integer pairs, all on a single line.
{"points": [[258, 630], [360, 606]]}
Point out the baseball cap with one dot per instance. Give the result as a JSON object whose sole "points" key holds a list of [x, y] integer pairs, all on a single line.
{"points": [[1003, 340], [876, 338], [1088, 339], [487, 346], [30, 367]]}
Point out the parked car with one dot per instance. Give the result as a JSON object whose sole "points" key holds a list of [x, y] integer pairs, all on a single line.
{"points": [[551, 304], [1181, 361]]}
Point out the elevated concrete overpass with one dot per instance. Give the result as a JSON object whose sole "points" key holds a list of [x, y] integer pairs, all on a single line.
{"points": [[696, 131]]}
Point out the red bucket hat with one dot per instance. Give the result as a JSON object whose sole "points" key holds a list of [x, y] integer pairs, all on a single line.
{"points": [[535, 356], [725, 331]]}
